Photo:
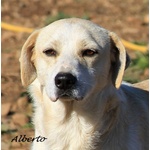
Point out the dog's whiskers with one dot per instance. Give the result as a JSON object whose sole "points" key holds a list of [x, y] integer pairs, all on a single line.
{"points": [[87, 83]]}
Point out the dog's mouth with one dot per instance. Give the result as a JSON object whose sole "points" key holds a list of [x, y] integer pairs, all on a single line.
{"points": [[67, 96]]}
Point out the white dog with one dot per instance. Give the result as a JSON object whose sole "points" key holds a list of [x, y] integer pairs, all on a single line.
{"points": [[75, 68]]}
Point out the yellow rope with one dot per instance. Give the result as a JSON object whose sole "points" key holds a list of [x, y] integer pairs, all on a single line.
{"points": [[127, 44], [7, 26], [134, 46]]}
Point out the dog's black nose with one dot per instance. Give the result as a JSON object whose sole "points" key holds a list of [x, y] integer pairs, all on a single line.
{"points": [[65, 80]]}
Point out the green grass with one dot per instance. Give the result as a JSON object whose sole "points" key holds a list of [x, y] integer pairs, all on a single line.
{"points": [[141, 62], [5, 128], [28, 126], [137, 67], [62, 15], [142, 43], [24, 94]]}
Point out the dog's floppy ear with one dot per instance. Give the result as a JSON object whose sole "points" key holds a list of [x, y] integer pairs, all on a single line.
{"points": [[119, 59], [28, 72]]}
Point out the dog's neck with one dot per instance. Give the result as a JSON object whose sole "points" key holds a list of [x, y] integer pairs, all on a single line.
{"points": [[89, 107]]}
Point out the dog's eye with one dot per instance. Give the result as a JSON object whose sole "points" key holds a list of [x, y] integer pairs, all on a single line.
{"points": [[89, 52], [50, 52]]}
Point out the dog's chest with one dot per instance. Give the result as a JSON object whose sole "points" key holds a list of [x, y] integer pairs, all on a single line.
{"points": [[74, 134]]}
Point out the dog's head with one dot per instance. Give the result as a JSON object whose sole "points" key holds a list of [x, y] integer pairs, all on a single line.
{"points": [[73, 57]]}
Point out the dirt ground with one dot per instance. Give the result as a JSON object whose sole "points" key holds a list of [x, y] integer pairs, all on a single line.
{"points": [[128, 19]]}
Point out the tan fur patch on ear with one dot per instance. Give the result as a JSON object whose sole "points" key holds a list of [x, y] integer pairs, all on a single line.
{"points": [[120, 60], [28, 71]]}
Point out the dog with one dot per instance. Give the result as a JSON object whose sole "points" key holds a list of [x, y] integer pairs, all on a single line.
{"points": [[74, 70]]}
